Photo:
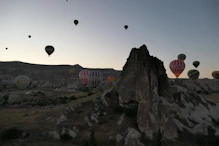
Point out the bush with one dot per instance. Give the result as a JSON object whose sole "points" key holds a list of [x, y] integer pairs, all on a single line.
{"points": [[129, 111], [84, 89], [73, 97], [65, 136], [41, 103], [9, 134], [92, 141], [89, 94]]}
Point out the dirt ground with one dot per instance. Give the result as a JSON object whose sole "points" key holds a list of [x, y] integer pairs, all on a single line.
{"points": [[213, 96]]}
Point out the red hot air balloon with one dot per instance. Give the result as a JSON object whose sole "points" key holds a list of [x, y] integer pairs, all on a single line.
{"points": [[177, 67], [111, 78], [83, 76]]}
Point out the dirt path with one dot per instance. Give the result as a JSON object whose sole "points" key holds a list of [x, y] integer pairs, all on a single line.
{"points": [[213, 96], [10, 117]]}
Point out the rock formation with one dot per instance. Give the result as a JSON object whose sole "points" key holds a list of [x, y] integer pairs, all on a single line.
{"points": [[163, 107]]}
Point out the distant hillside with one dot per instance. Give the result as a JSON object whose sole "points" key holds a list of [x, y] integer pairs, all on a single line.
{"points": [[45, 72]]}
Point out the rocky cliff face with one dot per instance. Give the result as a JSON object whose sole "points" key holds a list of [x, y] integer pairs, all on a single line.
{"points": [[163, 107]]}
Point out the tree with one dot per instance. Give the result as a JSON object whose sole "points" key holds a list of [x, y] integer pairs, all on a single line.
{"points": [[92, 141]]}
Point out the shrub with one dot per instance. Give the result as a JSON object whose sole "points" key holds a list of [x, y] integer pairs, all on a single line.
{"points": [[84, 89], [9, 134], [92, 141], [65, 136], [89, 94], [129, 111], [73, 97]]}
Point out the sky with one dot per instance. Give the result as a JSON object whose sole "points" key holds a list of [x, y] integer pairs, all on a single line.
{"points": [[166, 27]]}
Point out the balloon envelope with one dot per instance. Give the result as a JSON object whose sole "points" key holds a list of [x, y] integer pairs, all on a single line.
{"points": [[83, 76], [111, 78], [177, 67], [49, 50], [181, 57], [196, 63], [22, 81], [71, 71], [193, 74], [94, 78], [76, 22], [126, 26], [215, 74]]}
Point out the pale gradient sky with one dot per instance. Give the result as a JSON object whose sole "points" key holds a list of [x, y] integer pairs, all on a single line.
{"points": [[168, 28]]}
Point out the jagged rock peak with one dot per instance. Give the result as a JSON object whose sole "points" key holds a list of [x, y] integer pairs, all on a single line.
{"points": [[142, 72]]}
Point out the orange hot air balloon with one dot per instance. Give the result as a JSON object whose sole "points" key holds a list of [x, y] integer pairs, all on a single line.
{"points": [[111, 78], [177, 67]]}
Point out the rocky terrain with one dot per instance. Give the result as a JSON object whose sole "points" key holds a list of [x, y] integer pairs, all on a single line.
{"points": [[142, 108]]}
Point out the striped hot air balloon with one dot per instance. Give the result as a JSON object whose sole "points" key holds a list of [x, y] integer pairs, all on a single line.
{"points": [[177, 67], [83, 76], [193, 74], [111, 78], [94, 78], [215, 74]]}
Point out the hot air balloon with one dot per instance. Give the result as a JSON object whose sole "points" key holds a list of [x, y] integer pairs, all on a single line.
{"points": [[71, 71], [94, 78], [22, 81], [76, 22], [6, 48], [196, 63], [111, 78], [177, 67], [83, 76], [215, 74], [193, 74], [181, 57], [49, 50], [29, 36], [126, 26]]}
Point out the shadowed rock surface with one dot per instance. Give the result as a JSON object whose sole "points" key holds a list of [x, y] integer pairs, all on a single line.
{"points": [[163, 106]]}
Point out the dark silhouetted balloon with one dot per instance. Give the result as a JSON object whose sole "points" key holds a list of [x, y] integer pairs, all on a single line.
{"points": [[181, 57], [193, 74], [126, 26], [215, 74], [76, 22], [196, 63], [29, 36], [177, 67], [49, 50]]}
